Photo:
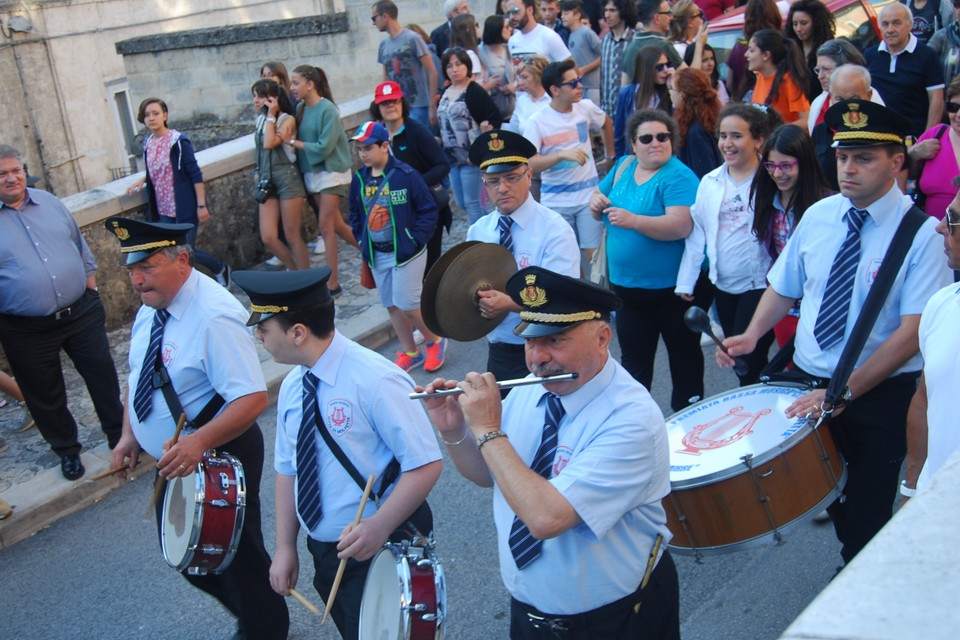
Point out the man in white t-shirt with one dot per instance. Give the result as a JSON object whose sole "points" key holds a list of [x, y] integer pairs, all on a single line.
{"points": [[932, 434], [529, 37], [561, 133]]}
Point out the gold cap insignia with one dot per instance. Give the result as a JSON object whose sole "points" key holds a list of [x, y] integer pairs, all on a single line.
{"points": [[532, 295], [495, 144], [122, 233], [854, 118]]}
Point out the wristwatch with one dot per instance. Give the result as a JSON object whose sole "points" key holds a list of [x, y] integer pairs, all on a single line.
{"points": [[847, 396]]}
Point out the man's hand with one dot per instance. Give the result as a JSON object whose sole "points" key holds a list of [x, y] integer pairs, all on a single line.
{"points": [[181, 459], [492, 303], [362, 541], [481, 403], [125, 454], [739, 345], [284, 570], [809, 405]]}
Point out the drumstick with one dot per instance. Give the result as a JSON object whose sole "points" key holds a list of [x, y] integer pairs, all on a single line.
{"points": [[161, 481], [343, 561], [505, 384], [108, 473], [309, 605]]}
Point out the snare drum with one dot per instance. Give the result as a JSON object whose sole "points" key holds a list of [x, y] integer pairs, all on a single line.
{"points": [[203, 516], [741, 472], [405, 596]]}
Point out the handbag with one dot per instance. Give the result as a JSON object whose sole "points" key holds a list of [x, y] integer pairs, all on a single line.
{"points": [[366, 273], [599, 267], [441, 195], [265, 188]]}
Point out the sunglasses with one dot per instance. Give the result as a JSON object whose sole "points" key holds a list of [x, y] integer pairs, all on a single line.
{"points": [[512, 11], [663, 67], [647, 138], [953, 107], [782, 166], [953, 219], [573, 84], [374, 18]]}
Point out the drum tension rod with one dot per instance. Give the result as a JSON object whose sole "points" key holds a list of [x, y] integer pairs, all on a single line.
{"points": [[682, 517], [825, 459], [764, 500]]}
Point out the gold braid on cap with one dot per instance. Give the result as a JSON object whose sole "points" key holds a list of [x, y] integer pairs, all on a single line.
{"points": [[534, 316], [504, 160], [159, 244], [863, 135], [267, 308]]}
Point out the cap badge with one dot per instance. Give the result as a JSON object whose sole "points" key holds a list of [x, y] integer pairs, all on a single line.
{"points": [[495, 144], [854, 119], [387, 90], [532, 295], [122, 233]]}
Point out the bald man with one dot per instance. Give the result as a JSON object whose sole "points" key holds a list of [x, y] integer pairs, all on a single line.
{"points": [[848, 81]]}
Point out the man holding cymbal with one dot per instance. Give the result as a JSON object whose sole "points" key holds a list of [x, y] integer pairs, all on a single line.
{"points": [[578, 472]]}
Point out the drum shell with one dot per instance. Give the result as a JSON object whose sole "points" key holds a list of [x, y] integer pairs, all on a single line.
{"points": [[417, 583], [802, 477]]}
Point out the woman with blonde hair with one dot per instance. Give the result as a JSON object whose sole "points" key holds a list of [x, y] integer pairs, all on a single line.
{"points": [[324, 159], [687, 21]]}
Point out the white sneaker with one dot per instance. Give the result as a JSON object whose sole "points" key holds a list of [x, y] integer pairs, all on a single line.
{"points": [[275, 262], [417, 337], [317, 246]]}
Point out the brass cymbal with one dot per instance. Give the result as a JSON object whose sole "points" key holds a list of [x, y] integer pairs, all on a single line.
{"points": [[448, 302]]}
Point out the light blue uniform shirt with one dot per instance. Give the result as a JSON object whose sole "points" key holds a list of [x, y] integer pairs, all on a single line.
{"points": [[802, 271], [363, 400], [541, 238], [207, 349], [612, 465]]}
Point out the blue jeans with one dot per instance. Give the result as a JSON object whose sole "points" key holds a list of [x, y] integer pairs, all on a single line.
{"points": [[466, 183], [421, 115]]}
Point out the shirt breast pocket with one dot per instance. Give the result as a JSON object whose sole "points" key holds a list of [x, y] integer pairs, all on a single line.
{"points": [[583, 131]]}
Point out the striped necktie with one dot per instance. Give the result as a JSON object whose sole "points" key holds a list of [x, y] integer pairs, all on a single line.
{"points": [[308, 466], [143, 398], [524, 547], [832, 319], [506, 240]]}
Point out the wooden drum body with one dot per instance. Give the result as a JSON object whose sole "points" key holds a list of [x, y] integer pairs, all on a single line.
{"points": [[741, 472]]}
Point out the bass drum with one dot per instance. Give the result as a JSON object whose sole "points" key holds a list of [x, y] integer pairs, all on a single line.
{"points": [[742, 473], [405, 595]]}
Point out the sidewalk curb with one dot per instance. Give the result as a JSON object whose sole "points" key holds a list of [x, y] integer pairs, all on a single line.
{"points": [[47, 497]]}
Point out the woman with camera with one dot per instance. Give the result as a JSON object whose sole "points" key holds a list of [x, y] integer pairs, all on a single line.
{"points": [[279, 188]]}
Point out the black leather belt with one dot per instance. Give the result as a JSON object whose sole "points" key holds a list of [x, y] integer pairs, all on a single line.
{"points": [[383, 247]]}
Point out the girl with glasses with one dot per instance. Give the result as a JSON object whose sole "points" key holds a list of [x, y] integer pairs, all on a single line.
{"points": [[647, 91], [723, 229], [644, 203], [788, 183], [780, 77], [810, 24]]}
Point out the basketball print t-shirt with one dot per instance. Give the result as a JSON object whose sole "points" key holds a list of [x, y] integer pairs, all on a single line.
{"points": [[379, 221]]}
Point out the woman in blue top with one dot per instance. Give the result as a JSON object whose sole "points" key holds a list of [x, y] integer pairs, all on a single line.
{"points": [[645, 206]]}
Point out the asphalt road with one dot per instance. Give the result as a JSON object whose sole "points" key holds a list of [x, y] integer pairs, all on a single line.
{"points": [[99, 573]]}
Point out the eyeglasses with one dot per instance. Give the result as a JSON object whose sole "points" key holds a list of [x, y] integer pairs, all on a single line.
{"points": [[784, 167], [819, 70], [511, 181], [952, 218], [374, 18], [647, 138], [663, 67], [664, 13], [573, 84], [953, 107], [512, 11]]}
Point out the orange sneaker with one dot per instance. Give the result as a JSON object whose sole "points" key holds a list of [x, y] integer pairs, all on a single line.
{"points": [[408, 362], [435, 355]]}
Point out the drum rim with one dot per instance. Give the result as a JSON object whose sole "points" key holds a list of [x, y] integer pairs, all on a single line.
{"points": [[198, 499], [735, 470], [405, 592]]}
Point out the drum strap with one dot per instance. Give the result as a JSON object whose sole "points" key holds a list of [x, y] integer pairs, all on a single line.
{"points": [[161, 380], [887, 273], [390, 475]]}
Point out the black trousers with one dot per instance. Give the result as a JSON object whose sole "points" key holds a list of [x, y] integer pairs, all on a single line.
{"points": [[652, 613], [33, 349], [646, 315], [871, 434], [735, 311], [507, 362], [244, 588]]}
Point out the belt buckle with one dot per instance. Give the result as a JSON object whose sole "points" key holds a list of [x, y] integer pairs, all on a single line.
{"points": [[66, 312], [554, 625]]}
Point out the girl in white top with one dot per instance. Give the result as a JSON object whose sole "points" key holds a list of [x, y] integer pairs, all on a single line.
{"points": [[531, 96], [722, 229]]}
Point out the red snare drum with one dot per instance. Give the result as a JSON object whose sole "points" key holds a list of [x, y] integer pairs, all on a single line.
{"points": [[405, 595], [742, 473], [203, 516]]}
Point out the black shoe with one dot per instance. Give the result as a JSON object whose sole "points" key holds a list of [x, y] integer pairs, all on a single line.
{"points": [[336, 292], [113, 439], [71, 467]]}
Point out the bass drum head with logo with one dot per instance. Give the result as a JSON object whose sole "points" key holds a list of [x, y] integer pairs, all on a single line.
{"points": [[180, 528]]}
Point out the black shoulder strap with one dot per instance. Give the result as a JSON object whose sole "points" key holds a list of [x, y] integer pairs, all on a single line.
{"points": [[161, 380], [887, 273], [390, 475]]}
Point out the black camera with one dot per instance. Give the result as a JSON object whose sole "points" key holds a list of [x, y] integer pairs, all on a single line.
{"points": [[265, 190]]}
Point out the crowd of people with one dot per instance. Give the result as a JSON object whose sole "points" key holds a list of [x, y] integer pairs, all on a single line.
{"points": [[764, 188]]}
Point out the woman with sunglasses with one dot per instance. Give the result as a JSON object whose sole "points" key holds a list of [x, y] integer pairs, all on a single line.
{"points": [[644, 203], [810, 24], [686, 25], [936, 154], [647, 91], [465, 111], [723, 229], [791, 181], [780, 77]]}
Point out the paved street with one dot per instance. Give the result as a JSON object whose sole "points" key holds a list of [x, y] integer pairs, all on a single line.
{"points": [[99, 573]]}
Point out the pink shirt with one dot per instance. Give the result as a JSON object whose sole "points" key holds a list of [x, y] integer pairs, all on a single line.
{"points": [[940, 179]]}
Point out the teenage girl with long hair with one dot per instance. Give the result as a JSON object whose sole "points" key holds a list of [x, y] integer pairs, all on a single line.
{"points": [[810, 24], [647, 91], [780, 77], [696, 109]]}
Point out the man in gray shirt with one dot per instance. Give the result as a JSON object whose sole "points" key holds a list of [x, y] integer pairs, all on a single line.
{"points": [[407, 61], [584, 45], [49, 302]]}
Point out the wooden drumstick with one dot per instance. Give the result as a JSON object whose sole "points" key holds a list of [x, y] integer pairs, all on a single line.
{"points": [[108, 473], [161, 481], [306, 603], [343, 561]]}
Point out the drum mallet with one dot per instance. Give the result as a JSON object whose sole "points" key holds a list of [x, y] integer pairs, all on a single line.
{"points": [[343, 561], [698, 321], [161, 481]]}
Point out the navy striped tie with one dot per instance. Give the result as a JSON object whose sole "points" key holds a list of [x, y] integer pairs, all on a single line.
{"points": [[308, 467], [143, 398], [524, 547], [506, 240], [832, 319]]}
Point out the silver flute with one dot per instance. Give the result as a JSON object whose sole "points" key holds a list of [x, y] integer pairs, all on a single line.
{"points": [[505, 384]]}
